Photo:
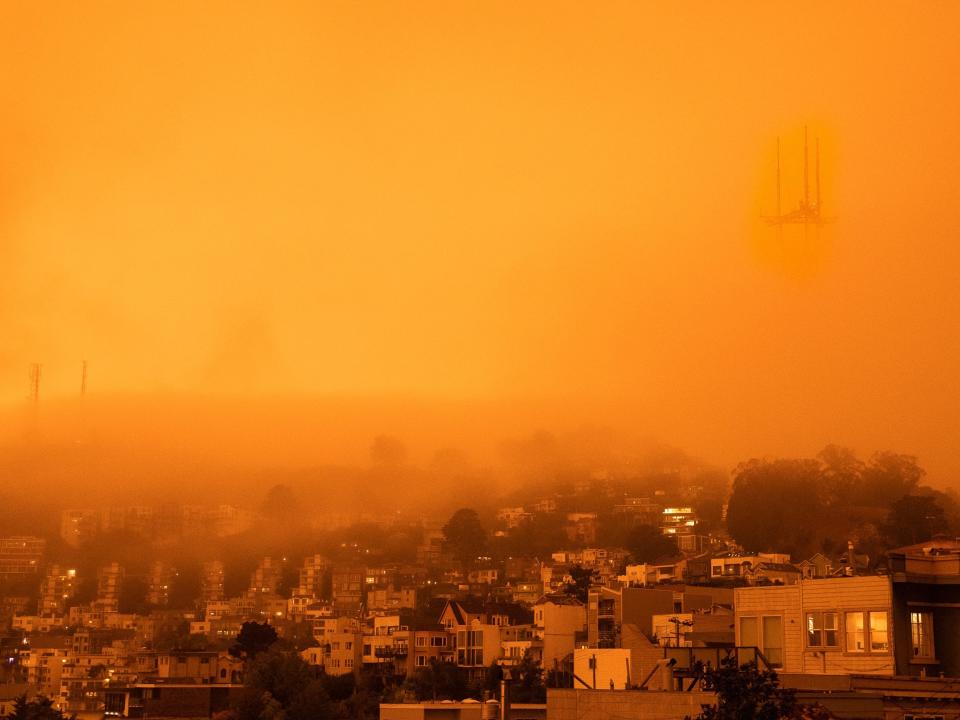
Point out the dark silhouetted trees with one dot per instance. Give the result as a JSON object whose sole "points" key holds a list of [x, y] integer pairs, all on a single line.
{"points": [[438, 681], [281, 685], [801, 506], [40, 708], [913, 519], [747, 693], [647, 544], [253, 639], [465, 536]]}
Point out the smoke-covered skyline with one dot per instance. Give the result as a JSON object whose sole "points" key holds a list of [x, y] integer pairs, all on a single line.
{"points": [[456, 220]]}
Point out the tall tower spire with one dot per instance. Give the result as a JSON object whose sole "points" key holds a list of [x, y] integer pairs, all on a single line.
{"points": [[818, 175], [35, 383], [778, 177]]}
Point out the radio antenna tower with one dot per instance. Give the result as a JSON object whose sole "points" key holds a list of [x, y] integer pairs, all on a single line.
{"points": [[83, 380], [35, 383], [806, 213]]}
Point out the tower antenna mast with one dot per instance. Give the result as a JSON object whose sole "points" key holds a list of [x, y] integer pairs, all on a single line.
{"points": [[778, 177], [818, 177], [35, 383]]}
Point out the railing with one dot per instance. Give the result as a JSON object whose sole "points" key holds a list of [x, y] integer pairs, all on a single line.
{"points": [[689, 659]]}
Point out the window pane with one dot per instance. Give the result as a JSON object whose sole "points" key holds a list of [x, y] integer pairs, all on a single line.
{"points": [[921, 631], [749, 635], [815, 629], [853, 622], [878, 632], [773, 639]]}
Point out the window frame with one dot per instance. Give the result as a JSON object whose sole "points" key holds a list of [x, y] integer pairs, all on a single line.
{"points": [[761, 635], [867, 633], [823, 629], [928, 628]]}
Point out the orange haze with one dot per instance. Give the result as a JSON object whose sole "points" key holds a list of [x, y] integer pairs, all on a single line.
{"points": [[547, 209]]}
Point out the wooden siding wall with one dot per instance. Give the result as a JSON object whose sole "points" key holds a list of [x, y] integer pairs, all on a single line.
{"points": [[839, 595]]}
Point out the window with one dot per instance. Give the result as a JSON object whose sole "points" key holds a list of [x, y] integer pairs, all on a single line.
{"points": [[867, 632], [348, 645], [421, 660], [749, 632], [773, 639], [764, 633], [823, 630], [436, 641], [348, 662], [421, 641], [921, 635]]}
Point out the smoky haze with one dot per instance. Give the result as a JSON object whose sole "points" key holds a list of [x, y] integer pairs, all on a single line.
{"points": [[275, 235]]}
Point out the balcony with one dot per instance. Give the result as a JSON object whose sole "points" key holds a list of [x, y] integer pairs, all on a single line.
{"points": [[689, 659]]}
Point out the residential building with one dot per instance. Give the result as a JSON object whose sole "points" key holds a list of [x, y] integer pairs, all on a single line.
{"points": [[56, 589], [833, 625], [211, 581], [559, 621], [160, 580], [737, 564], [348, 589], [20, 556], [926, 608], [109, 581]]}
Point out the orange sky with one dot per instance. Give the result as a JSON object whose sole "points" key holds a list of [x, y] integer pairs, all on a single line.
{"points": [[491, 201]]}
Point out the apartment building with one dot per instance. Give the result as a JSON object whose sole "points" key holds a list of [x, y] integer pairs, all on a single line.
{"points": [[20, 556]]}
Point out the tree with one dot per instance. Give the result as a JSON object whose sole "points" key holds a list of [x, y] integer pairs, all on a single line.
{"points": [[465, 535], [842, 475], [889, 476], [747, 693], [527, 681], [913, 519], [438, 681], [40, 708], [647, 544], [773, 505], [582, 579], [253, 639], [281, 686]]}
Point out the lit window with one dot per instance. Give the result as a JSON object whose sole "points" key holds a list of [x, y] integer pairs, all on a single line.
{"points": [[867, 632]]}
